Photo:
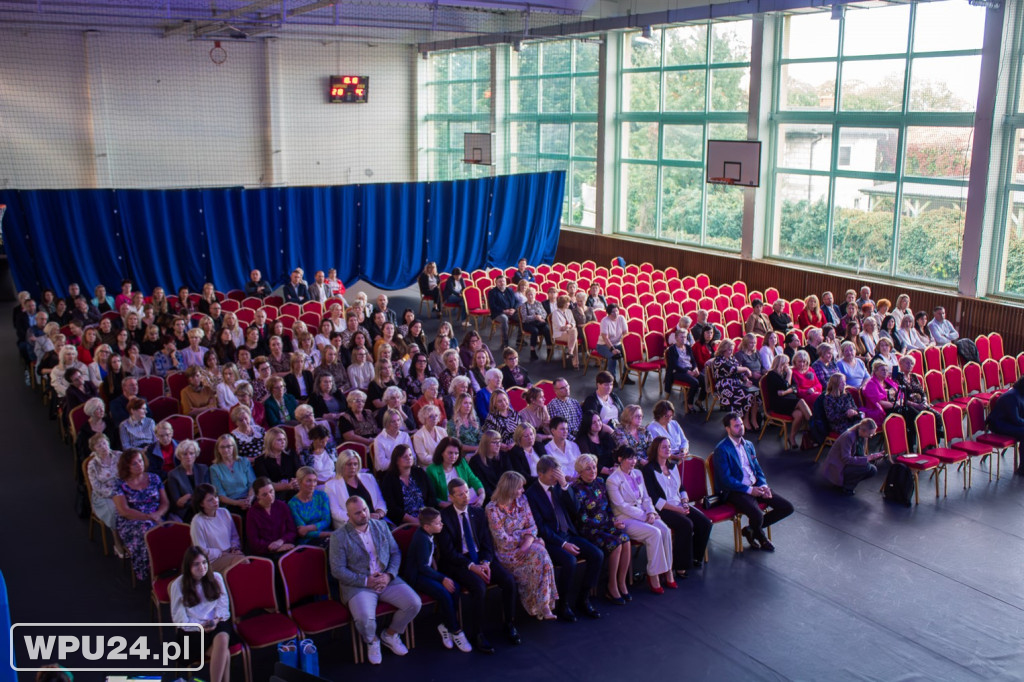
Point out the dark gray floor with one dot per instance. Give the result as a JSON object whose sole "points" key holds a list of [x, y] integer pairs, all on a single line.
{"points": [[858, 589]]}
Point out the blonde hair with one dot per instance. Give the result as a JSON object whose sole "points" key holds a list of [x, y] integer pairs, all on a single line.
{"points": [[508, 484]]}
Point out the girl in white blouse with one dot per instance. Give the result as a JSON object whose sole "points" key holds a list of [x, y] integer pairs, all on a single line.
{"points": [[198, 595], [214, 530]]}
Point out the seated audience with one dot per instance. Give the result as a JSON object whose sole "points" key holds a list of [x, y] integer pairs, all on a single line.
{"points": [[183, 480], [630, 433], [449, 463], [808, 387], [269, 526], [213, 529], [247, 434], [390, 438], [161, 454], [141, 503], [603, 401], [231, 476], [852, 367], [103, 477], [138, 430], [487, 462], [349, 481], [1006, 417], [199, 595], [311, 510], [405, 487], [941, 329], [879, 393], [357, 424], [277, 463], [779, 318], [733, 385]]}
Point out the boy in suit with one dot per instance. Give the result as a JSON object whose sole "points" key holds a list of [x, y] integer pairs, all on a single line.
{"points": [[420, 572]]}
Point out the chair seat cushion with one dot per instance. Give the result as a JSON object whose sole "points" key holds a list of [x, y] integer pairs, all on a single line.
{"points": [[946, 455], [972, 448], [266, 629], [780, 417], [921, 462], [995, 440], [319, 616], [646, 366], [719, 513]]}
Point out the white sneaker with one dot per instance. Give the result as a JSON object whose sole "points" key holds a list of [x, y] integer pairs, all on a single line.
{"points": [[373, 652], [394, 642], [446, 637], [462, 642]]}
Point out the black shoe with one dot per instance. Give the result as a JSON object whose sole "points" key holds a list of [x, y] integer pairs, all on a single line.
{"points": [[766, 544], [566, 615], [749, 535], [513, 634], [587, 609], [697, 563], [618, 601], [627, 596], [481, 644], [533, 354]]}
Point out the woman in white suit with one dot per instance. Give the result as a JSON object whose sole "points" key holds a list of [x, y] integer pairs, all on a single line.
{"points": [[349, 481], [632, 505]]}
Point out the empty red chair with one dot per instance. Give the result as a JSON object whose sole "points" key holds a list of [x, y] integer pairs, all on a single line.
{"points": [[679, 295], [703, 281], [635, 360], [984, 352], [974, 381], [657, 325], [659, 286], [214, 423], [979, 432], [1020, 363], [151, 388], [894, 428], [207, 450], [722, 302], [166, 545], [271, 312], [771, 294], [695, 293], [711, 291], [953, 424], [163, 407], [796, 307], [176, 383], [689, 282], [254, 610], [935, 390], [995, 344], [635, 312], [312, 320], [730, 315], [932, 358], [919, 363], [252, 303], [949, 355], [671, 308], [739, 286], [953, 378], [1008, 370], [925, 425], [230, 305], [307, 594], [245, 316], [738, 300], [636, 325], [591, 334], [292, 309], [734, 329], [652, 309]]}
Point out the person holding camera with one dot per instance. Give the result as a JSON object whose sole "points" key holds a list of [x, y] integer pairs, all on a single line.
{"points": [[849, 462]]}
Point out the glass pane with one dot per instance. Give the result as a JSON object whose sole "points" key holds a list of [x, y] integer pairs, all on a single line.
{"points": [[880, 30], [483, 64], [641, 91], [684, 143], [810, 35], [524, 164], [730, 89], [462, 65], [462, 98], [862, 224], [584, 193], [727, 131], [938, 152], [585, 95], [805, 146], [639, 51], [808, 87], [641, 186], [948, 25], [724, 216], [585, 139], [438, 94], [686, 45], [1012, 267], [873, 86], [1018, 160], [524, 96], [730, 42], [525, 141], [869, 150], [587, 57], [555, 94], [556, 57], [801, 216], [483, 98], [684, 90], [527, 59], [640, 140], [944, 84], [681, 204], [931, 232], [440, 130], [552, 164], [554, 138], [439, 67]]}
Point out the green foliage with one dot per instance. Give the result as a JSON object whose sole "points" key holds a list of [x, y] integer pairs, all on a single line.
{"points": [[931, 244]]}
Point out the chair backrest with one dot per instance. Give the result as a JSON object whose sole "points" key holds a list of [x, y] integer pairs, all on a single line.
{"points": [[304, 574], [245, 316], [151, 388], [894, 428], [771, 294], [656, 325], [166, 545], [251, 587], [403, 536], [995, 344], [163, 407], [990, 371], [953, 377], [950, 356], [797, 306], [976, 416], [291, 309], [984, 351], [934, 386], [703, 281], [592, 334], [633, 345], [925, 425], [695, 478], [762, 384], [709, 467], [516, 399], [252, 303], [952, 423], [230, 305], [654, 345], [271, 311], [182, 425], [85, 474], [207, 449], [548, 388], [1008, 370], [932, 358], [177, 381], [973, 379], [918, 362], [1020, 363], [77, 418], [214, 423]]}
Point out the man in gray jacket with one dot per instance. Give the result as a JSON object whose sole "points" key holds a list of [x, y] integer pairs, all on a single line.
{"points": [[365, 560]]}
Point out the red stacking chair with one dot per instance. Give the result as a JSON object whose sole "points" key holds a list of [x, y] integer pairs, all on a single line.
{"points": [[182, 425], [214, 423], [307, 595], [591, 335], [974, 381], [1008, 370], [773, 418], [1020, 363], [245, 316], [935, 391], [275, 301], [990, 370], [796, 307], [703, 281], [176, 382], [925, 424], [516, 399], [252, 303], [949, 355], [771, 294], [234, 295], [254, 610], [953, 378], [932, 358], [984, 351], [995, 344], [476, 305], [953, 424], [311, 320], [918, 363], [979, 432], [230, 305], [894, 428], [163, 407], [271, 312], [633, 358], [291, 309], [166, 545], [207, 449], [695, 482]]}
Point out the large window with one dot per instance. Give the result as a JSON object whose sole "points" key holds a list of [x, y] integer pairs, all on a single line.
{"points": [[680, 87], [872, 130], [458, 92], [553, 119], [1008, 248]]}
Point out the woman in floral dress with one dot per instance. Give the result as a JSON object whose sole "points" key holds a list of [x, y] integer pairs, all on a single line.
{"points": [[518, 547], [598, 524], [732, 383], [141, 503]]}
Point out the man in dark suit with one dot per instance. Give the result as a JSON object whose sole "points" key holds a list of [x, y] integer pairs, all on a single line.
{"points": [[466, 553], [295, 291], [502, 303], [829, 309], [741, 481], [554, 505], [257, 287]]}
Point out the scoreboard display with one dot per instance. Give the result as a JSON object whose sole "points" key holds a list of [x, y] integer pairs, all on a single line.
{"points": [[350, 89]]}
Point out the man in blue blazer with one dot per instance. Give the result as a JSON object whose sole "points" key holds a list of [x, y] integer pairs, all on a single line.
{"points": [[294, 290], [554, 506], [740, 480], [829, 309]]}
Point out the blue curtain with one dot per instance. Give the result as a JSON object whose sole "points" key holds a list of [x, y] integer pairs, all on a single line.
{"points": [[381, 234]]}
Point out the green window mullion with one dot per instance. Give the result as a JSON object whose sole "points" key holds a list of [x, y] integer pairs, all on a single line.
{"points": [[901, 147]]}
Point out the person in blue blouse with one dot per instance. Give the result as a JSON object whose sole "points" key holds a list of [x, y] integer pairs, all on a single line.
{"points": [[311, 510], [231, 476]]}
